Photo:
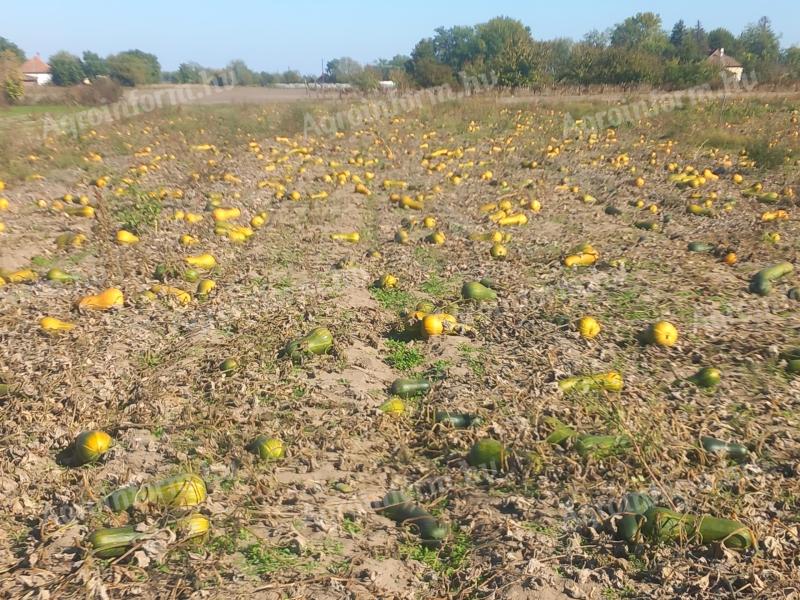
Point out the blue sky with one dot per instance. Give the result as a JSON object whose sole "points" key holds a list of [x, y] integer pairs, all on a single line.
{"points": [[278, 34]]}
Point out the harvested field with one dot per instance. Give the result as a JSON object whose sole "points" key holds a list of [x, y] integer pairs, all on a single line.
{"points": [[184, 382]]}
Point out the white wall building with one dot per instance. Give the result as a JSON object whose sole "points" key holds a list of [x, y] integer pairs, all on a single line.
{"points": [[35, 70], [728, 64]]}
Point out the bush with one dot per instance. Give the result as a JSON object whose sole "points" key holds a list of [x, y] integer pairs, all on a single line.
{"points": [[429, 73], [102, 91], [679, 75], [13, 90], [623, 66], [766, 155], [366, 80]]}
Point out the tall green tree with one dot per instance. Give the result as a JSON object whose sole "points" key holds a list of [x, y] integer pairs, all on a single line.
{"points": [[515, 65], [265, 78], [688, 44], [189, 73], [700, 40], [6, 44], [678, 35], [496, 34], [722, 38], [556, 57], [134, 67], [641, 32], [761, 50], [93, 65], [66, 68], [425, 68], [241, 73], [456, 46], [290, 76], [791, 58], [386, 66], [343, 70], [596, 38], [761, 41], [508, 50], [583, 62]]}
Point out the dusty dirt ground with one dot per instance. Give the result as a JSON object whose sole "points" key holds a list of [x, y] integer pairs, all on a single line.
{"points": [[304, 526]]}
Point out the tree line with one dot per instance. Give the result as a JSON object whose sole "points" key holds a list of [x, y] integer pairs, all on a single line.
{"points": [[637, 50], [132, 67]]}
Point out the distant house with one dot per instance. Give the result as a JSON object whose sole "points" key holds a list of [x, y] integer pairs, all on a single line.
{"points": [[36, 71], [726, 63]]}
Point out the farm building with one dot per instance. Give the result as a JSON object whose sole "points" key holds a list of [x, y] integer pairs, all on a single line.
{"points": [[35, 70], [727, 63]]}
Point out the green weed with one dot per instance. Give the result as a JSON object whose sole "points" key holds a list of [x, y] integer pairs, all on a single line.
{"points": [[393, 299], [340, 567], [351, 526], [224, 544], [143, 213], [151, 359], [435, 286], [766, 155], [428, 257], [403, 357], [474, 358], [447, 560], [265, 559]]}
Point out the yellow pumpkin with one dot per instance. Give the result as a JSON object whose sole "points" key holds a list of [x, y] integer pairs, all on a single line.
{"points": [[53, 324], [432, 325], [663, 333], [588, 327], [202, 261], [105, 300]]}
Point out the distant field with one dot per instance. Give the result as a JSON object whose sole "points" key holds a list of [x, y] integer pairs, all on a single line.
{"points": [[35, 110], [668, 217], [26, 115], [238, 94]]}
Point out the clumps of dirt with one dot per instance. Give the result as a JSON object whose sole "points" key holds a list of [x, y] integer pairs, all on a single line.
{"points": [[387, 578]]}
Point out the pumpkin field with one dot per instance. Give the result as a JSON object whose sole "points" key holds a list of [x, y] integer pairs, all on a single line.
{"points": [[454, 353]]}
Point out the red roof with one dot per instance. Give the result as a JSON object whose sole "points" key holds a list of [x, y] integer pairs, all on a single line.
{"points": [[718, 57], [35, 65]]}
